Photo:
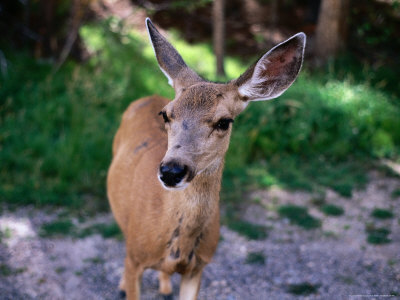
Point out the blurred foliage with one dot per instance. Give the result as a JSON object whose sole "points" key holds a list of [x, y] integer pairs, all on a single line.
{"points": [[57, 128], [374, 29], [322, 131], [46, 28]]}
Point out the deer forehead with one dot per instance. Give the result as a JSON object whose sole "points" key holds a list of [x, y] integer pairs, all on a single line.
{"points": [[206, 101]]}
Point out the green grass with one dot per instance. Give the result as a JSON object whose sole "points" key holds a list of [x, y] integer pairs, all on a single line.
{"points": [[332, 210], [396, 193], [60, 270], [318, 201], [249, 230], [57, 228], [299, 215], [65, 227], [5, 234], [257, 258], [377, 235], [106, 230], [321, 132], [95, 260], [304, 288], [57, 129], [6, 270], [330, 234], [381, 213]]}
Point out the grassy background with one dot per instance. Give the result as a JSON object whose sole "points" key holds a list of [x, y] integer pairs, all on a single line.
{"points": [[57, 128]]}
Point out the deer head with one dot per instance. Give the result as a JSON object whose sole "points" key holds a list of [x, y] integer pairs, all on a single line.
{"points": [[199, 119]]}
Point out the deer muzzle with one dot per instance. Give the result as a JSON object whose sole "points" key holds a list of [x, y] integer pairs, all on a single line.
{"points": [[174, 175]]}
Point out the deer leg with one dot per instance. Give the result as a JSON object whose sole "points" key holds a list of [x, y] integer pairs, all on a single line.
{"points": [[165, 286], [131, 280], [122, 285], [190, 286]]}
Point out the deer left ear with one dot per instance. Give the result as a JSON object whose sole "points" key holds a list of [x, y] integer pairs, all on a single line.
{"points": [[171, 63], [274, 72]]}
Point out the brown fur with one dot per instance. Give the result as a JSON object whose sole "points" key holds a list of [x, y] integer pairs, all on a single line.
{"points": [[171, 231], [177, 229]]}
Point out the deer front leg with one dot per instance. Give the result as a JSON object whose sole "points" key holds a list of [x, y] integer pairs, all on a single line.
{"points": [[122, 285], [131, 280], [190, 286], [165, 286]]}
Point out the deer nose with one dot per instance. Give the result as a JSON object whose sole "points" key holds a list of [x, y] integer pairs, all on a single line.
{"points": [[172, 173]]}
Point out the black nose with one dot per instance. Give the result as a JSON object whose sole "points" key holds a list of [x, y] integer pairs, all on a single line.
{"points": [[172, 173]]}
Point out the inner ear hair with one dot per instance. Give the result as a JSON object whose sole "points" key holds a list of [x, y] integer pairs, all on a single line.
{"points": [[274, 72]]}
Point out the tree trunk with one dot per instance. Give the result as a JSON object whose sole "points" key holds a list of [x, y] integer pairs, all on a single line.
{"points": [[219, 35], [273, 21], [331, 26]]}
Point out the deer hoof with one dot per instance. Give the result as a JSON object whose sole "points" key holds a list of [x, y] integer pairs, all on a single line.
{"points": [[168, 297], [122, 294]]}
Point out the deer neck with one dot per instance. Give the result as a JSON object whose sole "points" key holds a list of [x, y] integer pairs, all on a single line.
{"points": [[198, 203], [205, 187]]}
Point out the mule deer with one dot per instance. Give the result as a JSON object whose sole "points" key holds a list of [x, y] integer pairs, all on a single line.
{"points": [[164, 180]]}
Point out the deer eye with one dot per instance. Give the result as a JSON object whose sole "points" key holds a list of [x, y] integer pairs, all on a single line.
{"points": [[164, 115], [223, 124]]}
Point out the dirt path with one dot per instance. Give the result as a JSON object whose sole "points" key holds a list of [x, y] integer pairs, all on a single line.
{"points": [[336, 261]]}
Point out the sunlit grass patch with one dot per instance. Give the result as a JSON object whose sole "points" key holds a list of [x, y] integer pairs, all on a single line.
{"points": [[299, 215], [321, 132]]}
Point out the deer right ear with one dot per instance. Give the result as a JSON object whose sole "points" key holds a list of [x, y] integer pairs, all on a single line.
{"points": [[274, 72], [171, 63]]}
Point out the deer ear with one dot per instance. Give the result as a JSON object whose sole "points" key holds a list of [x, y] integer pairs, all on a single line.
{"points": [[171, 63], [274, 72]]}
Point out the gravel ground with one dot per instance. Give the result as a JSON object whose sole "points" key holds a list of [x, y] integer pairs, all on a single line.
{"points": [[335, 259]]}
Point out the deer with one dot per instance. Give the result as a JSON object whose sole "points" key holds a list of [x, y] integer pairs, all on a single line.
{"points": [[164, 180]]}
